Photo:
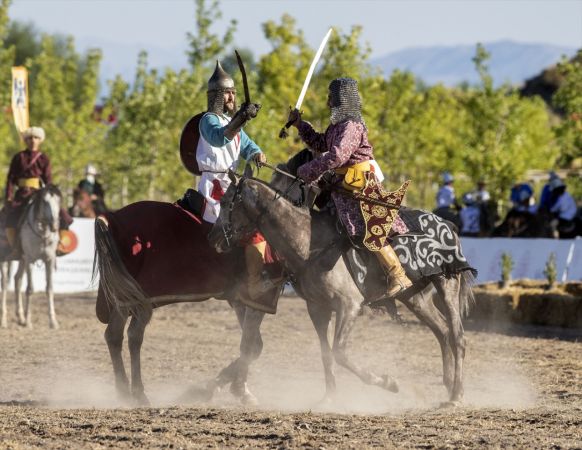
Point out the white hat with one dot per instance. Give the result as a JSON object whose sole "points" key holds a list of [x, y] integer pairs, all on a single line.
{"points": [[34, 131], [90, 169]]}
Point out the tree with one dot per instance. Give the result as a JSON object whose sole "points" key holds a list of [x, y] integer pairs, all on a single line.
{"points": [[506, 134], [569, 97], [205, 46]]}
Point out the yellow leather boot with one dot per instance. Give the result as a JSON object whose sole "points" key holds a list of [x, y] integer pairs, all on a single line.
{"points": [[257, 284], [397, 279]]}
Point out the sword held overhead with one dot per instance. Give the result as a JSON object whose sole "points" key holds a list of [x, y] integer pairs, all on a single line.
{"points": [[283, 133]]}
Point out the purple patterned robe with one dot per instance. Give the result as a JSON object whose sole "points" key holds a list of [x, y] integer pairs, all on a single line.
{"points": [[343, 144]]}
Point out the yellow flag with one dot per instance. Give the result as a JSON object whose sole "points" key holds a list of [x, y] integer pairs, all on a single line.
{"points": [[20, 97]]}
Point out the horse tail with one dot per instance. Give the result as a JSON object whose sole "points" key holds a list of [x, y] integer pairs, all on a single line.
{"points": [[466, 295], [119, 288]]}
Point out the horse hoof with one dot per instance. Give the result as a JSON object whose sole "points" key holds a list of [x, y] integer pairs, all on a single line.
{"points": [[249, 399], [140, 399], [28, 325], [4, 324], [450, 404], [390, 384], [54, 325], [325, 402]]}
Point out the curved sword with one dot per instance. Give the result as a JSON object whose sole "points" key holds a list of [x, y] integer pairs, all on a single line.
{"points": [[283, 133], [241, 66]]}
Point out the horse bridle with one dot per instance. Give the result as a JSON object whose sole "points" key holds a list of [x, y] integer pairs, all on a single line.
{"points": [[34, 204], [227, 229]]}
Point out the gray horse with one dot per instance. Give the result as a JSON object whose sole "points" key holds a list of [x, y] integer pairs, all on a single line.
{"points": [[39, 238], [323, 273]]}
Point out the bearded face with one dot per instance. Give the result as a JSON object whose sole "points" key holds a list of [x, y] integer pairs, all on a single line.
{"points": [[229, 101]]}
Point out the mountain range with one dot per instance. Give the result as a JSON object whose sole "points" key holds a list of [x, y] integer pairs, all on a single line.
{"points": [[511, 62]]}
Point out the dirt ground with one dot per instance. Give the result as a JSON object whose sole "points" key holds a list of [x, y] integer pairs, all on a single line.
{"points": [[523, 386]]}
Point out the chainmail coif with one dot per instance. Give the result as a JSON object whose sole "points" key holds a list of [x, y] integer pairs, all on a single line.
{"points": [[345, 100]]}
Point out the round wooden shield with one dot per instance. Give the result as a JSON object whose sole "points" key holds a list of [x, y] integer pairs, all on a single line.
{"points": [[189, 144], [68, 242]]}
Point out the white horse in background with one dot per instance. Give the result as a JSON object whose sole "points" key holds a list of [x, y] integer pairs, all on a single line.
{"points": [[39, 238]]}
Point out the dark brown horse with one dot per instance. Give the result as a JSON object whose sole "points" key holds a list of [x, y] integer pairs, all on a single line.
{"points": [[151, 254]]}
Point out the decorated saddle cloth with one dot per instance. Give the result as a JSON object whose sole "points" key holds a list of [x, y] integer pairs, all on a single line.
{"points": [[429, 247]]}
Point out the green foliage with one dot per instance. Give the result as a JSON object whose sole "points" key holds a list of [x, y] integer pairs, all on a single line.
{"points": [[504, 135], [550, 271], [417, 131], [506, 268], [205, 46], [569, 97]]}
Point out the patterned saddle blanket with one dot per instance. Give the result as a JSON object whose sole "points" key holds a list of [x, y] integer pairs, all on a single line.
{"points": [[429, 247]]}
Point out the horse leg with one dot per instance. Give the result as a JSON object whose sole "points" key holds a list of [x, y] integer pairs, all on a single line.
{"points": [[17, 291], [345, 320], [28, 298], [449, 289], [251, 346], [425, 310], [228, 373], [4, 269], [135, 334], [49, 270], [321, 317], [114, 339]]}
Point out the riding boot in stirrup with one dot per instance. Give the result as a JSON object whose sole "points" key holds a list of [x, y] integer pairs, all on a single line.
{"points": [[397, 279], [258, 284]]}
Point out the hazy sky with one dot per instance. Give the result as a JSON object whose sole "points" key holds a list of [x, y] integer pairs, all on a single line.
{"points": [[388, 24]]}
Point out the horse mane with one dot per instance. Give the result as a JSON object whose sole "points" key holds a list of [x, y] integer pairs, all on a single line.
{"points": [[35, 201]]}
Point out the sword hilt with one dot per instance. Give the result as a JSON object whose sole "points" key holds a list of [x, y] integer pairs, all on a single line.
{"points": [[283, 133]]}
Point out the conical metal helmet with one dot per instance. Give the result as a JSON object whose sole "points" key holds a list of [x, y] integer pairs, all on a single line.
{"points": [[218, 83]]}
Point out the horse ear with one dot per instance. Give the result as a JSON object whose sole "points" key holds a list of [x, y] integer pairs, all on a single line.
{"points": [[233, 177], [248, 173]]}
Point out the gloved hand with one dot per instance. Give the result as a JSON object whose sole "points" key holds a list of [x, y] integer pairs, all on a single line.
{"points": [[327, 180], [246, 112], [249, 110], [294, 118], [260, 158]]}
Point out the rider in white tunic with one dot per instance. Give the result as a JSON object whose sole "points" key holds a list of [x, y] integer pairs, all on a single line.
{"points": [[221, 143], [216, 154]]}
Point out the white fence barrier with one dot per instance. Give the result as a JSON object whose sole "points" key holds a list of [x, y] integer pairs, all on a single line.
{"points": [[529, 255], [74, 270]]}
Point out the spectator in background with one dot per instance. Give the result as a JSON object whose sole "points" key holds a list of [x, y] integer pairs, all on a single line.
{"points": [[563, 210], [446, 203], [470, 216], [481, 194], [523, 199], [445, 197], [546, 198], [91, 186]]}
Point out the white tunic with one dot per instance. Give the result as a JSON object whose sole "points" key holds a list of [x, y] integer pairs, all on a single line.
{"points": [[214, 163]]}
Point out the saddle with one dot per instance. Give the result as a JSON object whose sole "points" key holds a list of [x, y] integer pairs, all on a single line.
{"points": [[194, 203]]}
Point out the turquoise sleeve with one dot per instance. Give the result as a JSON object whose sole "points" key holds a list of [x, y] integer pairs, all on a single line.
{"points": [[212, 130], [248, 148]]}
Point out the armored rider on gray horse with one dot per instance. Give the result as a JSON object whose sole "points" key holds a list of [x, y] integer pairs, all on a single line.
{"points": [[345, 150]]}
